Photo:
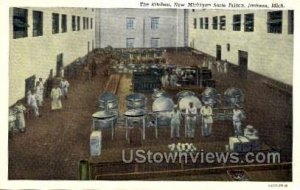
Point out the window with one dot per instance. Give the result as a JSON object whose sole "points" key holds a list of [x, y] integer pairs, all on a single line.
{"points": [[215, 23], [249, 23], [37, 23], [155, 43], [195, 23], [206, 23], [20, 23], [222, 22], [74, 23], [130, 42], [290, 22], [201, 23], [91, 23], [275, 22], [87, 23], [154, 23], [63, 23], [130, 23], [78, 23], [55, 23], [228, 47], [83, 23], [236, 23]]}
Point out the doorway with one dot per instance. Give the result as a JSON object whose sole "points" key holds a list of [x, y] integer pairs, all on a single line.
{"points": [[243, 64], [218, 52], [59, 64], [29, 84]]}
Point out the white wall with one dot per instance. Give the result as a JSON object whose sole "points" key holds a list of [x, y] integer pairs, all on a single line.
{"points": [[111, 27], [37, 55], [269, 54]]}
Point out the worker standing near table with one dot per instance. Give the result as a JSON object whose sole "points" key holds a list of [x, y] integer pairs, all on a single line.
{"points": [[64, 85], [175, 122], [20, 109], [191, 116], [56, 98], [32, 102], [207, 120], [225, 66], [39, 93], [237, 118]]}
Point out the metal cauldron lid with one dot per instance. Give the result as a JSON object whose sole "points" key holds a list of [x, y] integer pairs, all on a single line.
{"points": [[209, 91], [136, 96], [159, 93], [103, 114], [184, 102], [184, 93], [107, 96], [232, 91], [135, 112], [163, 104]]}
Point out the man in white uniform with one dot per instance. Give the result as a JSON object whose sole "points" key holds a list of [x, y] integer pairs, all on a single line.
{"points": [[64, 85], [237, 118], [39, 93], [210, 64], [218, 63], [191, 116], [175, 122], [32, 102], [20, 116], [207, 121], [225, 66], [173, 80], [56, 98]]}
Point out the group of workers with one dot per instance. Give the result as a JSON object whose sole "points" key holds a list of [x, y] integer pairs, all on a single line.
{"points": [[206, 113], [221, 66], [35, 99]]}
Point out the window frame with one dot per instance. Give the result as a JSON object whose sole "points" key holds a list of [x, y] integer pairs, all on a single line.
{"points": [[155, 23], [74, 24], [37, 23], [222, 22], [206, 23], [127, 42], [130, 23], [249, 23], [55, 23], [215, 23], [64, 23], [274, 23], [290, 21], [157, 40], [237, 23], [78, 23], [201, 24], [20, 20]]}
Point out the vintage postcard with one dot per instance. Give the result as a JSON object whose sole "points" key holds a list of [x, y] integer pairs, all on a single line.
{"points": [[192, 93]]}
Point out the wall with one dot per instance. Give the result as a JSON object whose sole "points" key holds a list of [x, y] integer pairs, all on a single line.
{"points": [[269, 54], [111, 27], [37, 55]]}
